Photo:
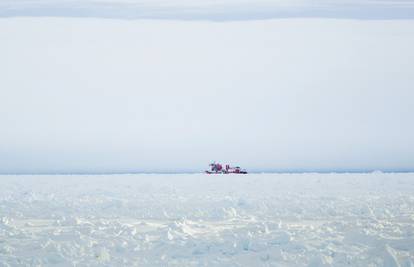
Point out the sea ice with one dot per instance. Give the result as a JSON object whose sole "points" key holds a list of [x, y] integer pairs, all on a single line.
{"points": [[202, 220]]}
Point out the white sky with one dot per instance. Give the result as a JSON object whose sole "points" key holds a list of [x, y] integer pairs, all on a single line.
{"points": [[99, 95]]}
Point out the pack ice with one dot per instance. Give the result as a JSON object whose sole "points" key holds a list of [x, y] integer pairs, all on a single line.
{"points": [[199, 220]]}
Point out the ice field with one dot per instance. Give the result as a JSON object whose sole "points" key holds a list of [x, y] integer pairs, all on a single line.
{"points": [[202, 220]]}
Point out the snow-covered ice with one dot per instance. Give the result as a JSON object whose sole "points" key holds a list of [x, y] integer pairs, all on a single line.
{"points": [[200, 220]]}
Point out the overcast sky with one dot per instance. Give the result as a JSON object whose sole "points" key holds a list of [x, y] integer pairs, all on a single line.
{"points": [[100, 95], [211, 9]]}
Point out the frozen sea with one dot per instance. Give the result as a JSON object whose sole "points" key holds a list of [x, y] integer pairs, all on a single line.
{"points": [[207, 220]]}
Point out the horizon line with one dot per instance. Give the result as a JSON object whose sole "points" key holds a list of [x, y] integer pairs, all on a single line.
{"points": [[255, 171]]}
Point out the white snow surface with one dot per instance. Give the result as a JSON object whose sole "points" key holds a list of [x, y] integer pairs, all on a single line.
{"points": [[201, 220]]}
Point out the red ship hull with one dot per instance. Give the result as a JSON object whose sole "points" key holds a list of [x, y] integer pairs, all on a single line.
{"points": [[241, 172]]}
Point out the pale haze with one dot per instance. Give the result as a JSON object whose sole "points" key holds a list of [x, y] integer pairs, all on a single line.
{"points": [[146, 95]]}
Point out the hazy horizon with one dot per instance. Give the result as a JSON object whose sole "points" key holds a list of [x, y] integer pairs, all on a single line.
{"points": [[176, 86], [368, 171], [102, 95]]}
